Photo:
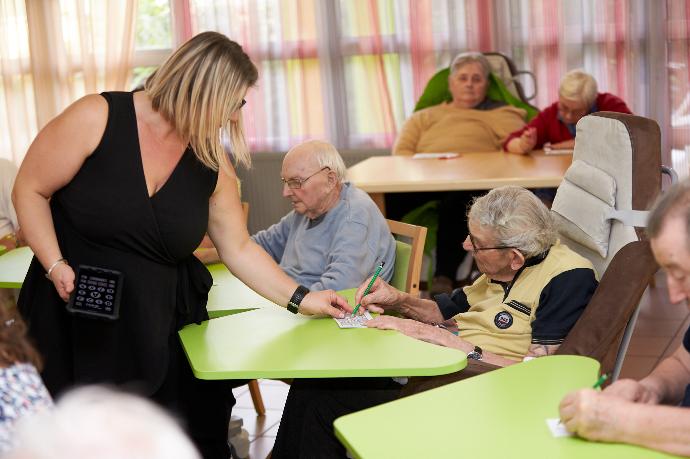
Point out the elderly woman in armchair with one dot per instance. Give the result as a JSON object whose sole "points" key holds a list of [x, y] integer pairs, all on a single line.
{"points": [[470, 122]]}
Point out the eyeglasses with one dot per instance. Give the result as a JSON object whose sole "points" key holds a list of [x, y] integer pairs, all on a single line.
{"points": [[242, 104], [478, 249], [296, 183]]}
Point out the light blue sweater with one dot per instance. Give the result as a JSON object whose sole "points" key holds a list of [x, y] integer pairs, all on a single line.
{"points": [[339, 250]]}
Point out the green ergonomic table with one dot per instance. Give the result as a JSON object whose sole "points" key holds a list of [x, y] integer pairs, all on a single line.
{"points": [[273, 343], [229, 295], [13, 267], [500, 414]]}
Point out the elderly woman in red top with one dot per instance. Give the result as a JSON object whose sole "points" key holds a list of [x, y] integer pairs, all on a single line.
{"points": [[577, 97]]}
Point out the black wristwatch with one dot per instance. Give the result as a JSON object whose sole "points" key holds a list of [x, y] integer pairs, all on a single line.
{"points": [[476, 354], [297, 297]]}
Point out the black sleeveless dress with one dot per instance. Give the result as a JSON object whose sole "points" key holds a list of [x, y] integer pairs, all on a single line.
{"points": [[105, 218]]}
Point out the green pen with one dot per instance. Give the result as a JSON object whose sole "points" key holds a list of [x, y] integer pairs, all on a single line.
{"points": [[366, 290], [602, 379]]}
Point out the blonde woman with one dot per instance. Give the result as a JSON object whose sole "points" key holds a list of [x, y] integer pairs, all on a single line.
{"points": [[116, 193]]}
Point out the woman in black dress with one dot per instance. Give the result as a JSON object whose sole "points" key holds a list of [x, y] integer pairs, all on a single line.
{"points": [[130, 182]]}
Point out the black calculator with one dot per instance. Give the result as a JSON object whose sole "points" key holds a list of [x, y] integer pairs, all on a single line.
{"points": [[97, 293]]}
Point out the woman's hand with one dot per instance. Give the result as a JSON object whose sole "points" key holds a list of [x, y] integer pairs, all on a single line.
{"points": [[325, 302], [381, 297], [62, 276]]}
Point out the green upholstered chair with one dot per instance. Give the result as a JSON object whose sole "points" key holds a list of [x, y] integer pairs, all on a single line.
{"points": [[408, 255], [507, 90]]}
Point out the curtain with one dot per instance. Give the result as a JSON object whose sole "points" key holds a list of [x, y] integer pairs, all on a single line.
{"points": [[54, 51]]}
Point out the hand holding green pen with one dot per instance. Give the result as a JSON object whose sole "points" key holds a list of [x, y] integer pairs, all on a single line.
{"points": [[602, 379], [371, 282]]}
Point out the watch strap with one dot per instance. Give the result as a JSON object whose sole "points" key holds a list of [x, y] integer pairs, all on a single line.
{"points": [[297, 297]]}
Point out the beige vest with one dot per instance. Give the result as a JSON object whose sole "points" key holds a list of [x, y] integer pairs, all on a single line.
{"points": [[504, 326]]}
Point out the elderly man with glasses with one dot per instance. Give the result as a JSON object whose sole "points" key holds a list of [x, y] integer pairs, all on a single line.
{"points": [[335, 236], [531, 292]]}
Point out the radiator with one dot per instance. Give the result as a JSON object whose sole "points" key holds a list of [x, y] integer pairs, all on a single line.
{"points": [[262, 188]]}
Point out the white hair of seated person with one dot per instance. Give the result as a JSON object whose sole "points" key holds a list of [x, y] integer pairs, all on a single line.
{"points": [[579, 85], [326, 155], [517, 218], [97, 422], [463, 59]]}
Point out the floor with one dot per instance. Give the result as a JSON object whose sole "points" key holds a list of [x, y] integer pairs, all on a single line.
{"points": [[659, 331]]}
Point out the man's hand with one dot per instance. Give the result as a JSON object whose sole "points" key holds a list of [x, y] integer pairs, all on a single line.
{"points": [[593, 415], [420, 331], [325, 302], [381, 297], [633, 391]]}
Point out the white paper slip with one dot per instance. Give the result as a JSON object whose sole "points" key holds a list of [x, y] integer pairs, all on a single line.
{"points": [[557, 429], [434, 155], [552, 151], [354, 322]]}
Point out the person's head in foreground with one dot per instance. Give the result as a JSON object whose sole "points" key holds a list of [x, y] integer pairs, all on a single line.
{"points": [[468, 81], [313, 173], [507, 226], [576, 96], [96, 422], [652, 412]]}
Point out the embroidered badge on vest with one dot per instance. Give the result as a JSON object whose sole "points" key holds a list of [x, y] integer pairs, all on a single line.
{"points": [[503, 320]]}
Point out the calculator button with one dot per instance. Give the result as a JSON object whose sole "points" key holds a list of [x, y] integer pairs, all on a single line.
{"points": [[108, 303], [108, 297], [82, 286], [91, 287], [109, 290], [89, 300], [99, 301], [95, 295], [109, 309], [82, 292], [80, 298], [101, 289]]}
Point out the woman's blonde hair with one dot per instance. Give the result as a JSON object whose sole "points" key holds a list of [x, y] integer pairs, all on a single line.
{"points": [[198, 88], [579, 85]]}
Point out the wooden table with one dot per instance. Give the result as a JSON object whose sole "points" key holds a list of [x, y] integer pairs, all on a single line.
{"points": [[500, 414], [469, 171]]}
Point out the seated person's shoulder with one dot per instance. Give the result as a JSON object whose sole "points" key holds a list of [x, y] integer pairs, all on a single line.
{"points": [[566, 259], [359, 208]]}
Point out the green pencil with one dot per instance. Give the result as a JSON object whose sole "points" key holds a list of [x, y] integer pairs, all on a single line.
{"points": [[366, 290], [602, 379]]}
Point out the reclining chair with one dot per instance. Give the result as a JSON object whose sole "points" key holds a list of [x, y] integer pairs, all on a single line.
{"points": [[601, 209]]}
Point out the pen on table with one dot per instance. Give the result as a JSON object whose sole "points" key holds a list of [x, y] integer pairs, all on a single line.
{"points": [[366, 290]]}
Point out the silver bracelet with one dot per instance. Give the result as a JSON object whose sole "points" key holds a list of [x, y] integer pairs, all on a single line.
{"points": [[52, 267]]}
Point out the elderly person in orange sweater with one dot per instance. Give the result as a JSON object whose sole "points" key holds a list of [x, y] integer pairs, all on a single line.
{"points": [[470, 122]]}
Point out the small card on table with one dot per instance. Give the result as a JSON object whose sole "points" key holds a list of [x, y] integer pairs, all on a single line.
{"points": [[354, 322]]}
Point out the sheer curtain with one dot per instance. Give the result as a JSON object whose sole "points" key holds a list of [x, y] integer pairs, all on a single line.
{"points": [[54, 51]]}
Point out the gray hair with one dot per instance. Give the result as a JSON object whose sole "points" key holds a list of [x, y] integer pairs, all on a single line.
{"points": [[95, 421], [675, 202], [516, 218], [326, 155], [579, 85], [468, 58]]}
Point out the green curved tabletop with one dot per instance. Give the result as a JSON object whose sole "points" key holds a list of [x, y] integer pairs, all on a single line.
{"points": [[14, 265], [500, 414], [229, 295], [273, 343]]}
